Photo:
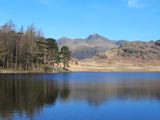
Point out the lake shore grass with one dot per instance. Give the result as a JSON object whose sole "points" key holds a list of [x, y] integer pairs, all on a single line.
{"points": [[92, 66], [114, 67]]}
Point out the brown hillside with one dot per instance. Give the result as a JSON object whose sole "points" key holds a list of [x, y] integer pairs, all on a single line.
{"points": [[132, 56], [89, 47]]}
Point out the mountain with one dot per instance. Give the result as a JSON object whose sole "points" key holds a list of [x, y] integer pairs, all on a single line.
{"points": [[119, 42], [136, 51], [130, 56], [88, 47]]}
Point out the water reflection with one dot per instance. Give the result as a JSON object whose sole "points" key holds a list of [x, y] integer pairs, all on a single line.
{"points": [[97, 93], [25, 94]]}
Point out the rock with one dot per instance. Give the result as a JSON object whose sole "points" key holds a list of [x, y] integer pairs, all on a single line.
{"points": [[157, 43]]}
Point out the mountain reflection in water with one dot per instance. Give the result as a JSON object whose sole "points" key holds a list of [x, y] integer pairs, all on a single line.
{"points": [[27, 94]]}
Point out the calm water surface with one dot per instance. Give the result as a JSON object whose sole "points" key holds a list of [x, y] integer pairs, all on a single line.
{"points": [[80, 96]]}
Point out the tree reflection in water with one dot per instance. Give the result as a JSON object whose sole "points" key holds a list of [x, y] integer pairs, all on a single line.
{"points": [[28, 94]]}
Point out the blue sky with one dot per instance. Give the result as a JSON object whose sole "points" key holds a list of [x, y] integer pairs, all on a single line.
{"points": [[114, 19]]}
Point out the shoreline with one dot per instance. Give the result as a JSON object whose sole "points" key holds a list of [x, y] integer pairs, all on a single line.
{"points": [[5, 71], [40, 72]]}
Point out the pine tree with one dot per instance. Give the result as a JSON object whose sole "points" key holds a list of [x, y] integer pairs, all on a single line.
{"points": [[65, 56], [53, 51]]}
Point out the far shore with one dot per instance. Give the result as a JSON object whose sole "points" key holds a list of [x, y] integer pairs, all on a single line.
{"points": [[95, 66], [92, 66], [89, 69]]}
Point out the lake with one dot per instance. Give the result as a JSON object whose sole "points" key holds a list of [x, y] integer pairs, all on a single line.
{"points": [[80, 96]]}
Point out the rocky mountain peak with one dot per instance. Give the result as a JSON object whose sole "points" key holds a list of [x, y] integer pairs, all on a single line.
{"points": [[96, 37], [85, 48]]}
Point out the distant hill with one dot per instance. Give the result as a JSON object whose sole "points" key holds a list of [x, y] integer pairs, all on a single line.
{"points": [[134, 51], [85, 48], [119, 42], [130, 56], [97, 46]]}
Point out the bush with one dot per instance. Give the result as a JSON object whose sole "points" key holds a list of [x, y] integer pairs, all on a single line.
{"points": [[48, 69]]}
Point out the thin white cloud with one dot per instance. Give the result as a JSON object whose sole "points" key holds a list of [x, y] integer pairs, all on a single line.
{"points": [[135, 4]]}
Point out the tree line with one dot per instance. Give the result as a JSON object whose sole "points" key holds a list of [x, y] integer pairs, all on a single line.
{"points": [[24, 49]]}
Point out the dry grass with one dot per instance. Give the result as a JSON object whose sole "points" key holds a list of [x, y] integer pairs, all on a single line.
{"points": [[99, 66]]}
